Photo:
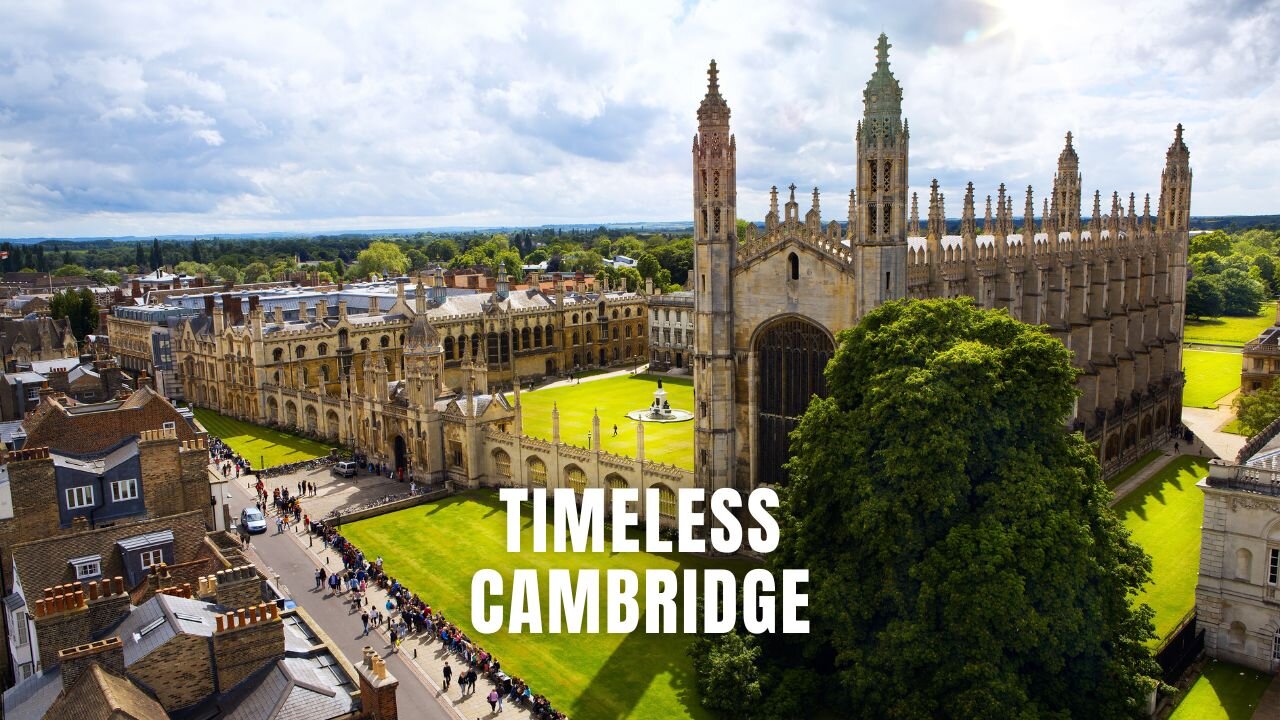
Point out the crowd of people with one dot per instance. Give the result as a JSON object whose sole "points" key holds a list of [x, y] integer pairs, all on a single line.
{"points": [[228, 461], [407, 615]]}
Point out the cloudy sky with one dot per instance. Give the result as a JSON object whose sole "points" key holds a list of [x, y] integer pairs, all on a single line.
{"points": [[147, 118]]}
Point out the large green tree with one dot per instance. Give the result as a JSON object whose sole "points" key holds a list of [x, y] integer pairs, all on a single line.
{"points": [[79, 307], [384, 258], [1204, 297], [963, 559], [1257, 409]]}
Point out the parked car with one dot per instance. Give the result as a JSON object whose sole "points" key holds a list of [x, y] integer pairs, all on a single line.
{"points": [[345, 468], [252, 520]]}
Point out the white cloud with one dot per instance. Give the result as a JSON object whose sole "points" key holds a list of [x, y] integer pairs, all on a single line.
{"points": [[177, 117]]}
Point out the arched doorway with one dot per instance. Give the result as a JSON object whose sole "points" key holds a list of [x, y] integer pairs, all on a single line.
{"points": [[791, 354], [401, 458]]}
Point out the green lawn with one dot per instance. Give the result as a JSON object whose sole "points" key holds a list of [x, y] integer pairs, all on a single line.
{"points": [[1164, 516], [1222, 692], [1114, 481], [1230, 330], [435, 549], [258, 444], [614, 397], [1210, 376], [1233, 427]]}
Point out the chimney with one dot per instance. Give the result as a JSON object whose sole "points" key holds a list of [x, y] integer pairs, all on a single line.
{"points": [[61, 620], [373, 304], [209, 305], [135, 288], [302, 310], [246, 640], [108, 653], [108, 602], [254, 303], [377, 687], [342, 309], [238, 587]]}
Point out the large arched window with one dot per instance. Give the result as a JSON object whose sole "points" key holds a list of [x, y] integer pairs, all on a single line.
{"points": [[793, 262], [666, 502], [791, 354], [501, 463], [575, 478], [537, 472], [277, 355]]}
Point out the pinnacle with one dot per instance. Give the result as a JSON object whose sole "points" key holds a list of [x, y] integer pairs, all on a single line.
{"points": [[713, 79]]}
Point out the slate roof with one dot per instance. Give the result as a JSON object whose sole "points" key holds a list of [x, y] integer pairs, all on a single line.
{"points": [[44, 367], [156, 621], [30, 700], [295, 688]]}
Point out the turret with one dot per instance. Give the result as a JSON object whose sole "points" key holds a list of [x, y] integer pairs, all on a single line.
{"points": [[1175, 188], [1066, 189], [715, 194], [879, 236]]}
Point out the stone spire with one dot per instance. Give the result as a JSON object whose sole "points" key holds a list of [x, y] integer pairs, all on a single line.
{"points": [[714, 111], [853, 213], [771, 220], [988, 228], [1066, 188], [1146, 212], [1029, 218], [1002, 213], [1132, 221], [913, 227], [882, 99], [813, 218], [555, 423], [1095, 221], [937, 219], [595, 429], [1175, 186], [967, 228], [1046, 225]]}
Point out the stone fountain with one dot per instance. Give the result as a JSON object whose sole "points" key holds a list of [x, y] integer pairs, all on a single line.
{"points": [[660, 409]]}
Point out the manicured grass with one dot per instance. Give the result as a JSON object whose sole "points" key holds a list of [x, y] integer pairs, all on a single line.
{"points": [[1230, 330], [1114, 481], [1210, 376], [614, 397], [1222, 692], [435, 549], [1233, 427], [258, 444], [1164, 516]]}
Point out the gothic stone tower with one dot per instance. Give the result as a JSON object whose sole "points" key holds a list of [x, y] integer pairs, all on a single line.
{"points": [[715, 250], [880, 237]]}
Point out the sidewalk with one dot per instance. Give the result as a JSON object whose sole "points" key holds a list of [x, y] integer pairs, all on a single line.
{"points": [[427, 656]]}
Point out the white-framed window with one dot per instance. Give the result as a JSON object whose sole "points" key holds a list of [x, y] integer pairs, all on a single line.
{"points": [[1275, 647], [1273, 566], [152, 557], [122, 490], [33, 394], [171, 425], [80, 497], [24, 670], [88, 568], [18, 623]]}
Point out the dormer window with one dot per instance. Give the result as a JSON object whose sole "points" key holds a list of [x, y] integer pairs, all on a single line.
{"points": [[87, 567]]}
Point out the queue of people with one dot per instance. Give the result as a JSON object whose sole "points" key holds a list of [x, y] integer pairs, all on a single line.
{"points": [[405, 614]]}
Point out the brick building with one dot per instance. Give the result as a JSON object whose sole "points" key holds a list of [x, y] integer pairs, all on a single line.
{"points": [[37, 338], [72, 428]]}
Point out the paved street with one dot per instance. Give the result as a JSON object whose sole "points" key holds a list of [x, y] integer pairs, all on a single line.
{"points": [[283, 555]]}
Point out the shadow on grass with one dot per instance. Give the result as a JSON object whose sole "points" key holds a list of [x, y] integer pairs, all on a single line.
{"points": [[1169, 478]]}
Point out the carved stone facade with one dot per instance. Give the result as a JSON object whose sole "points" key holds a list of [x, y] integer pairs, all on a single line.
{"points": [[1238, 592], [768, 306]]}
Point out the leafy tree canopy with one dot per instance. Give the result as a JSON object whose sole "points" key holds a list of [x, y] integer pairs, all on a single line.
{"points": [[384, 258], [963, 558]]}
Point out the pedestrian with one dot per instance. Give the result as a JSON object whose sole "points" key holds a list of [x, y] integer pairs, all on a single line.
{"points": [[319, 577], [394, 638], [279, 525], [615, 430], [364, 619], [1175, 447], [493, 701], [448, 674]]}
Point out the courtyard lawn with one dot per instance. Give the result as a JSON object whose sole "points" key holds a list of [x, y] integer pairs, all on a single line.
{"points": [[1222, 692], [261, 446], [1164, 516], [1230, 330], [1210, 376], [614, 397], [434, 550]]}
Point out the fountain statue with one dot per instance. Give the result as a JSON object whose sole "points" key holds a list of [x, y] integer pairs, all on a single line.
{"points": [[660, 409]]}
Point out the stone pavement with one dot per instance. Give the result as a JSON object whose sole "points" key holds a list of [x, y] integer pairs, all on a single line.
{"points": [[300, 555], [1205, 423], [1269, 705]]}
